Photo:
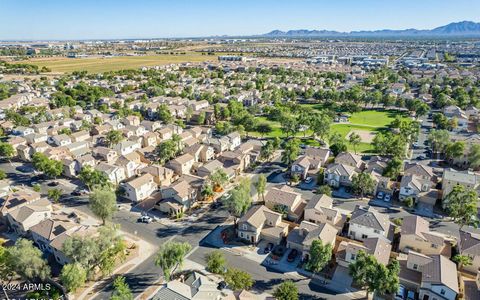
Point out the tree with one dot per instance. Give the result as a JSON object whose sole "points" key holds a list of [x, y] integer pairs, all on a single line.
{"points": [[409, 202], [164, 114], [207, 191], [354, 139], [374, 276], [474, 156], [325, 189], [215, 262], [393, 169], [177, 141], [170, 256], [462, 260], [454, 150], [290, 152], [239, 201], [54, 194], [337, 144], [6, 150], [27, 261], [113, 137], [166, 151], [3, 175], [319, 257], [363, 184], [461, 205], [50, 167], [73, 276], [439, 139], [264, 128], [218, 179], [266, 152], [320, 124], [103, 203], [93, 178], [261, 185], [121, 290], [287, 290], [238, 280], [96, 252]]}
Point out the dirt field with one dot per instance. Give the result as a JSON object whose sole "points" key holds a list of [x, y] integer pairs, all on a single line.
{"points": [[365, 136]]}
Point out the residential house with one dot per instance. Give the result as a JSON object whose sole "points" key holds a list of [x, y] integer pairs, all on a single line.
{"points": [[161, 176], [15, 200], [301, 238], [284, 199], [416, 236], [126, 147], [347, 251], [469, 245], [412, 186], [106, 154], [194, 287], [139, 188], [261, 223], [367, 222], [337, 175], [452, 178], [24, 217], [320, 210], [182, 164], [201, 153], [181, 192], [114, 173], [235, 140]]}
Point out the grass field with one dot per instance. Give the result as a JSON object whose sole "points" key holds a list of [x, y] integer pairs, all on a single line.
{"points": [[372, 120], [104, 64]]}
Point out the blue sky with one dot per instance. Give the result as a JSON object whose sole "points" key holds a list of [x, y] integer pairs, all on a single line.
{"points": [[88, 19]]}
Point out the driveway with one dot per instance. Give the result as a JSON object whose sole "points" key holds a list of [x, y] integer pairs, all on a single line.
{"points": [[424, 210]]}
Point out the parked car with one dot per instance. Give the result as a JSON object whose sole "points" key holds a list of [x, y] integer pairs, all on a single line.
{"points": [[79, 192], [222, 285], [308, 179], [292, 255], [268, 248], [53, 183], [400, 295], [145, 219], [216, 204], [380, 195], [387, 198], [421, 157]]}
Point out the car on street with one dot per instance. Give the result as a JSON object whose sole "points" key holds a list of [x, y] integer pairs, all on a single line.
{"points": [[380, 195], [292, 255], [421, 157], [53, 183], [145, 219], [308, 179], [268, 248], [387, 198], [216, 204], [79, 192]]}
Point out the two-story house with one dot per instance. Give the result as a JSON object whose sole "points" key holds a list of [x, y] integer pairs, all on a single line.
{"points": [[367, 222], [139, 188], [260, 222]]}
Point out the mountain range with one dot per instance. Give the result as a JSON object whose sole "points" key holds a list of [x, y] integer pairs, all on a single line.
{"points": [[457, 29]]}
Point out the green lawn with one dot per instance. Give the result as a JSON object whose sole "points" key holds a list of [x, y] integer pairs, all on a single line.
{"points": [[371, 120]]}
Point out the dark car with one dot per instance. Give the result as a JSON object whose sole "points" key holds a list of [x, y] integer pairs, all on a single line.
{"points": [[222, 285], [53, 183], [268, 248], [216, 205], [292, 255]]}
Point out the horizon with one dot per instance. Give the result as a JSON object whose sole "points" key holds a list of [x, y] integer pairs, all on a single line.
{"points": [[145, 19]]}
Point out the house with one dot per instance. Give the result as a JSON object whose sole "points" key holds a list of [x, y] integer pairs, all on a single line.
{"points": [[317, 157], [106, 154], [15, 200], [149, 139], [181, 192], [161, 176], [22, 131], [130, 163], [300, 167], [182, 164], [139, 188], [126, 147], [194, 287], [469, 245], [350, 159], [239, 161], [235, 140], [201, 153], [26, 216], [285, 199], [301, 238], [367, 222], [416, 236], [320, 210], [348, 250], [455, 112], [452, 178], [114, 173], [209, 168], [337, 175], [49, 229], [261, 223], [412, 186], [80, 136], [432, 276], [60, 140]]}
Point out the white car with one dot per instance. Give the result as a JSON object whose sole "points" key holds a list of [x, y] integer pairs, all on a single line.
{"points": [[308, 179], [380, 195], [387, 198], [145, 219]]}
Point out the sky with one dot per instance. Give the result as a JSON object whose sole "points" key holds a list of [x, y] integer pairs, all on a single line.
{"points": [[112, 19]]}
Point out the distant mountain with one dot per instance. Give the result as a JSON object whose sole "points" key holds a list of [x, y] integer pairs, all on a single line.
{"points": [[458, 29]]}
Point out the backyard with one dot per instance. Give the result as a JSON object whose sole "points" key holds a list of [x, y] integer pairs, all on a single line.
{"points": [[366, 124]]}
